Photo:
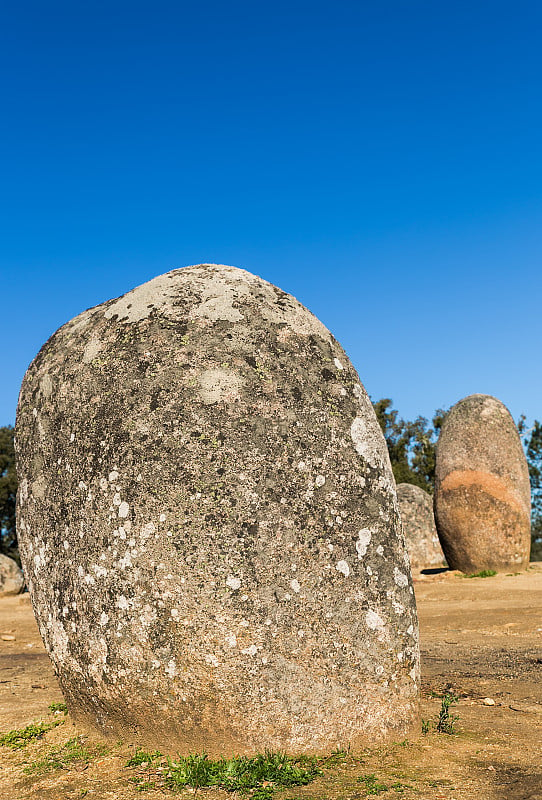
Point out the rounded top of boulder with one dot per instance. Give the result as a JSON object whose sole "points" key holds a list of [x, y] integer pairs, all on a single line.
{"points": [[413, 492], [222, 292], [209, 525], [480, 435]]}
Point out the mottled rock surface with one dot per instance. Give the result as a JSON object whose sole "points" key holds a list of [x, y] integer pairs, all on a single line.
{"points": [[209, 524], [11, 576], [416, 508], [482, 491]]}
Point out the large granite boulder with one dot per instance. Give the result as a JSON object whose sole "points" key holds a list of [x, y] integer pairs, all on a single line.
{"points": [[416, 508], [482, 491], [209, 525], [11, 576]]}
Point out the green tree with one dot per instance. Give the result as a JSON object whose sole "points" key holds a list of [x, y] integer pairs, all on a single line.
{"points": [[411, 445], [8, 491], [532, 442]]}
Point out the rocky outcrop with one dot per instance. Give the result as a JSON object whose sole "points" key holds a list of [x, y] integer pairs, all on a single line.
{"points": [[482, 491], [209, 526]]}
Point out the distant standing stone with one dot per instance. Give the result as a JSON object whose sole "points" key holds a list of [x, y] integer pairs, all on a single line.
{"points": [[482, 491], [11, 576], [208, 521], [416, 507]]}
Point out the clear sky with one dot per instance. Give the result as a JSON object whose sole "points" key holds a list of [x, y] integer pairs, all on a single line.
{"points": [[379, 160]]}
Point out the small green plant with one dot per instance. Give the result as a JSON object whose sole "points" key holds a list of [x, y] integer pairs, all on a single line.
{"points": [[258, 776], [484, 573], [17, 739], [242, 773], [446, 721], [263, 793], [372, 785], [336, 757], [143, 757], [426, 726], [55, 708], [400, 787], [74, 751]]}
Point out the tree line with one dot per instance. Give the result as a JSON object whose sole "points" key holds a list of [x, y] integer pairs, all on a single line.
{"points": [[8, 491], [411, 445]]}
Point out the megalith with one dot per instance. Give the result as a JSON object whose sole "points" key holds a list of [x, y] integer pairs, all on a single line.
{"points": [[416, 508], [482, 492], [11, 576], [209, 526]]}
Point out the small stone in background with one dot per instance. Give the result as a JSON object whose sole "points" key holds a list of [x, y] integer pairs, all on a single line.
{"points": [[11, 577], [416, 507]]}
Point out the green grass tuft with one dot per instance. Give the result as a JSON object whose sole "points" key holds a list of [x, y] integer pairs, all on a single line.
{"points": [[64, 756], [145, 786], [484, 573], [55, 707], [143, 757], [258, 775], [371, 785], [17, 739], [337, 756], [240, 773], [446, 721], [263, 793]]}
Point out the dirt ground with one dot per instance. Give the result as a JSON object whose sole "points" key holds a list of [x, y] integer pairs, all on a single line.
{"points": [[480, 637]]}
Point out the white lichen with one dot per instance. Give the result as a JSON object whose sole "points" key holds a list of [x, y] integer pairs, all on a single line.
{"points": [[373, 620], [363, 542], [399, 577], [343, 567]]}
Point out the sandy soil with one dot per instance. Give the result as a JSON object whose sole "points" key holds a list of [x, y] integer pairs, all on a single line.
{"points": [[480, 637]]}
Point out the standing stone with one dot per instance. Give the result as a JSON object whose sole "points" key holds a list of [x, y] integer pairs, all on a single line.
{"points": [[416, 507], [11, 576], [482, 491], [209, 524]]}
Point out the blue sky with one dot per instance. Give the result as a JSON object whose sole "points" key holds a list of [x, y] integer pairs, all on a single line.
{"points": [[380, 161]]}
